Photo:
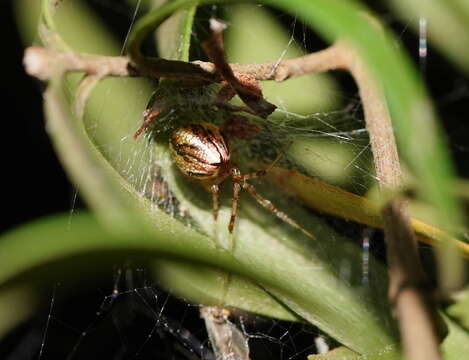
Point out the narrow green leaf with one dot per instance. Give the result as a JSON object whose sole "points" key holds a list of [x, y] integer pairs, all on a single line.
{"points": [[173, 37], [209, 286], [342, 353], [456, 343]]}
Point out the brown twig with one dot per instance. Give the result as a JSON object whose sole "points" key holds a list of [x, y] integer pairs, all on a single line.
{"points": [[408, 292], [43, 63], [330, 58], [249, 92]]}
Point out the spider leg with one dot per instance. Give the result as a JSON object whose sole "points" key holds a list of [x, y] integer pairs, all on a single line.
{"points": [[241, 178], [234, 205], [215, 190], [253, 175], [238, 183], [148, 116], [269, 206]]}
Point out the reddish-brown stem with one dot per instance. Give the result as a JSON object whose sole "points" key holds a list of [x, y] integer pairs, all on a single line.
{"points": [[248, 91]]}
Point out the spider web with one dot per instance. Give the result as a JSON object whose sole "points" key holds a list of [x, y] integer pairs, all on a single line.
{"points": [[123, 313]]}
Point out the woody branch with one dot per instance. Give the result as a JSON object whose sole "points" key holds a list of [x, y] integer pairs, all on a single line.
{"points": [[43, 63]]}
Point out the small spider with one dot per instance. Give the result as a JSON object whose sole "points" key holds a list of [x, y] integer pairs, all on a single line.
{"points": [[201, 152]]}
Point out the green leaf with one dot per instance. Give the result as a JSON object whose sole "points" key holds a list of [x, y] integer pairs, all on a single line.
{"points": [[107, 171], [173, 37], [254, 36], [460, 309], [342, 353], [454, 345], [212, 287]]}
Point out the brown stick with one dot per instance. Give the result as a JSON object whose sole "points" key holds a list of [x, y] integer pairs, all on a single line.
{"points": [[409, 291], [43, 63], [250, 93]]}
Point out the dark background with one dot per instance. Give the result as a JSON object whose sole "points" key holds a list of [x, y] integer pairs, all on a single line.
{"points": [[34, 185], [32, 181]]}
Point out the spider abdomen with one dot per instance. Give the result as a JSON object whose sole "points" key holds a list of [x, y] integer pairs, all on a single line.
{"points": [[200, 151]]}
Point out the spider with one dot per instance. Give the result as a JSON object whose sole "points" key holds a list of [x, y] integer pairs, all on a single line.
{"points": [[201, 152]]}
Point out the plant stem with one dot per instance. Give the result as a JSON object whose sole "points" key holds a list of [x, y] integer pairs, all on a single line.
{"points": [[43, 63], [409, 291]]}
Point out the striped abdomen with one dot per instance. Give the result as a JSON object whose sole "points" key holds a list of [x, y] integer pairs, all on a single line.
{"points": [[200, 151]]}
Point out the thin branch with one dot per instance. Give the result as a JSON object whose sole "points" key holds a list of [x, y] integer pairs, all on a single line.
{"points": [[330, 58], [247, 90], [43, 63], [328, 199], [409, 290]]}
